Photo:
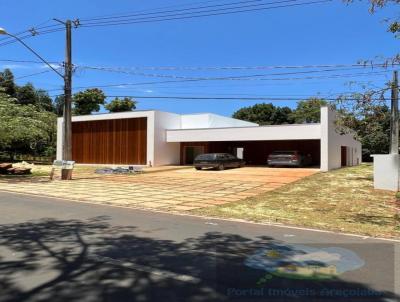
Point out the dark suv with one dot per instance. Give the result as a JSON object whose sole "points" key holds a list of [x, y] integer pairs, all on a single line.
{"points": [[218, 161], [289, 158]]}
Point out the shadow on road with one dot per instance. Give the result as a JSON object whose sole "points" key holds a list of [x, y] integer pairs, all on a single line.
{"points": [[90, 260]]}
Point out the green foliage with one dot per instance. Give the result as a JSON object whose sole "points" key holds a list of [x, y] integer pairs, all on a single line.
{"points": [[117, 105], [371, 123], [26, 95], [265, 114], [394, 25], [308, 111], [43, 100], [59, 105], [7, 82], [25, 128], [85, 102]]}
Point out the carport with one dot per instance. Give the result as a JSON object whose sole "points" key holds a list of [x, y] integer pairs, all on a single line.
{"points": [[328, 148], [253, 152]]}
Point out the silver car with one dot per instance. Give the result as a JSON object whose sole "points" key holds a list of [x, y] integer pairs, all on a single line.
{"points": [[289, 158]]}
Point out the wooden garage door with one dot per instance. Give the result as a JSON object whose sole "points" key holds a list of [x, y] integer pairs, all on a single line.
{"points": [[120, 141]]}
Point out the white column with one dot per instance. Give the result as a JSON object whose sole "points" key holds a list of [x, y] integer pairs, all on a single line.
{"points": [[324, 138]]}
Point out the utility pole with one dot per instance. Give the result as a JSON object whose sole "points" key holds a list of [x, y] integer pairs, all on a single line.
{"points": [[66, 174], [394, 118]]}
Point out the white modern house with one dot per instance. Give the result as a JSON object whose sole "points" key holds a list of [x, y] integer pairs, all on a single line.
{"points": [[160, 138]]}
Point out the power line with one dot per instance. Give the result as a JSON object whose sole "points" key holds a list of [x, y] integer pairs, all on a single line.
{"points": [[163, 18], [232, 77], [191, 10], [32, 74], [217, 68], [154, 10], [197, 80], [30, 35], [261, 98], [256, 77], [25, 61], [42, 30]]}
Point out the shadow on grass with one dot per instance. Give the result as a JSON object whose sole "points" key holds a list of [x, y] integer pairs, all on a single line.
{"points": [[90, 260], [372, 219]]}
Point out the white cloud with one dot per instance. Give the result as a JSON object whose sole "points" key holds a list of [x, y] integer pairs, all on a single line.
{"points": [[55, 66], [14, 66]]}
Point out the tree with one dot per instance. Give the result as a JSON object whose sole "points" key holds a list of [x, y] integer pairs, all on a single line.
{"points": [[24, 128], [26, 95], [85, 102], [7, 82], [43, 100], [394, 23], [59, 105], [308, 111], [117, 105], [264, 114]]}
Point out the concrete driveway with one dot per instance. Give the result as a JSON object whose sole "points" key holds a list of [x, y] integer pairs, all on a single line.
{"points": [[166, 190]]}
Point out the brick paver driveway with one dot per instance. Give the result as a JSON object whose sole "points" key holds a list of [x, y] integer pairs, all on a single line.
{"points": [[170, 190]]}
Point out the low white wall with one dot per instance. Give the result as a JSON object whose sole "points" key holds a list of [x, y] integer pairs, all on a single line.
{"points": [[258, 133], [332, 141], [386, 171]]}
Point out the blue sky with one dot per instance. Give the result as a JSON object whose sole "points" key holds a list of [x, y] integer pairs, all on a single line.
{"points": [[319, 34]]}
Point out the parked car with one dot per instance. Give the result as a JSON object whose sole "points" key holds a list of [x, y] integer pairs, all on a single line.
{"points": [[218, 161], [289, 158]]}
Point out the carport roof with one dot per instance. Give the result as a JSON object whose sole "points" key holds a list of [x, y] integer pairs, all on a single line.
{"points": [[256, 133]]}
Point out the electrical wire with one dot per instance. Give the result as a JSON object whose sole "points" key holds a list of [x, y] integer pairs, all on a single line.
{"points": [[197, 80], [263, 98], [233, 77], [193, 10], [32, 74], [149, 20], [26, 61]]}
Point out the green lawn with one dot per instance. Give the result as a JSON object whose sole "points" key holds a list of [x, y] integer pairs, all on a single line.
{"points": [[341, 200]]}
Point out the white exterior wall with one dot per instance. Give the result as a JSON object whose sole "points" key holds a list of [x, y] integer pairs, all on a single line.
{"points": [[331, 143], [209, 120], [60, 132], [165, 153], [386, 171], [258, 133]]}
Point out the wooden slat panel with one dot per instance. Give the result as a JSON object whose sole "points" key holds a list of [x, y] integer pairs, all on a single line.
{"points": [[120, 141]]}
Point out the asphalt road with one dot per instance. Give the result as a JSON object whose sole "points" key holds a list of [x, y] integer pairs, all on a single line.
{"points": [[54, 250]]}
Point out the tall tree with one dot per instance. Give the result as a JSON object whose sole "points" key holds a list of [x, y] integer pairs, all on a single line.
{"points": [[85, 102], [264, 114], [117, 105], [43, 100], [59, 105], [308, 111], [7, 82], [372, 126], [26, 95]]}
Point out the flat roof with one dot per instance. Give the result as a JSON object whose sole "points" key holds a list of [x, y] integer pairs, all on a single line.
{"points": [[247, 127]]}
